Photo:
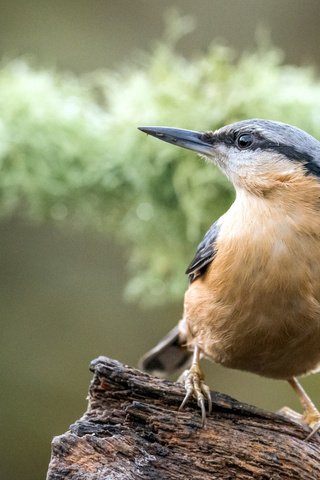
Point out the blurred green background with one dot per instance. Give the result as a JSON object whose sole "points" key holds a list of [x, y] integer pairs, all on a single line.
{"points": [[62, 283]]}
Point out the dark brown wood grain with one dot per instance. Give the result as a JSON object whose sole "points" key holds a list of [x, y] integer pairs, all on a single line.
{"points": [[133, 430]]}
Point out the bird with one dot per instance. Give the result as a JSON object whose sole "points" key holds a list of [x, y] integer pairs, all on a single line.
{"points": [[253, 298]]}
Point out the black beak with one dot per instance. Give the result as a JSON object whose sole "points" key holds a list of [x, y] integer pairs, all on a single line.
{"points": [[182, 138]]}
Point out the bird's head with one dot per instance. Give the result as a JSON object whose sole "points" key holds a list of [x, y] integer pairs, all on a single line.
{"points": [[257, 155]]}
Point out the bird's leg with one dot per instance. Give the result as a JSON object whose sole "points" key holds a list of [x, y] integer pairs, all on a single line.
{"points": [[194, 384], [311, 416]]}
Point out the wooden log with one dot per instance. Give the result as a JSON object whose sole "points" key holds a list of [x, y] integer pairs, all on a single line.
{"points": [[133, 430]]}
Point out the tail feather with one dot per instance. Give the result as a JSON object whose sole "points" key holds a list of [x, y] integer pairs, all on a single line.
{"points": [[168, 356]]}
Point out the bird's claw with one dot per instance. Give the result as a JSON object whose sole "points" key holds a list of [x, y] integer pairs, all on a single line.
{"points": [[195, 386], [290, 414], [310, 418]]}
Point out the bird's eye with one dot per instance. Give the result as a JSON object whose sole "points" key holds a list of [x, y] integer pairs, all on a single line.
{"points": [[245, 140]]}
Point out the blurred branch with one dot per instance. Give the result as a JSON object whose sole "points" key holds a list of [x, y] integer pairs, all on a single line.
{"points": [[70, 150], [133, 430]]}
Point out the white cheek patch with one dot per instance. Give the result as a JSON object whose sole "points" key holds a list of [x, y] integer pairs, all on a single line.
{"points": [[239, 160], [234, 162], [220, 156]]}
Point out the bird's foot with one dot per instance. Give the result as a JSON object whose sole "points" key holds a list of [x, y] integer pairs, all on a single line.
{"points": [[310, 417], [291, 414], [193, 380]]}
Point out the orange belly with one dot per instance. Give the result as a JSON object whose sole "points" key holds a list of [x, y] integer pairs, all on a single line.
{"points": [[257, 308], [278, 340]]}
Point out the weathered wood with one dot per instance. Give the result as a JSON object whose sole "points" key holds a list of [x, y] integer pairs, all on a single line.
{"points": [[133, 430]]}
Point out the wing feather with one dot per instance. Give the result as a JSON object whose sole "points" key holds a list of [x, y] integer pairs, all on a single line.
{"points": [[205, 253]]}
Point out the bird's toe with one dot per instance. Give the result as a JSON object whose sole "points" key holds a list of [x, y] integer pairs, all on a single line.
{"points": [[312, 418], [291, 414], [195, 387]]}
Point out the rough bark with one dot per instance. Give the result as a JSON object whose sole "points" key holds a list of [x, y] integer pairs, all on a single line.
{"points": [[133, 430]]}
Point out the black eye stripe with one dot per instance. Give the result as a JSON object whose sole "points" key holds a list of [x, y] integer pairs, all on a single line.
{"points": [[229, 138], [311, 166]]}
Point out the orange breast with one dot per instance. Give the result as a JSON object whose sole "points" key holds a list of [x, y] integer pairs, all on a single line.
{"points": [[257, 307]]}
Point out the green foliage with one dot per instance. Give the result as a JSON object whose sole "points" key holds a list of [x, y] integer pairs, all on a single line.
{"points": [[70, 150]]}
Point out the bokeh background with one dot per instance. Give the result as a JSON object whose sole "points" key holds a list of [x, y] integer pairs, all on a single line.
{"points": [[62, 288]]}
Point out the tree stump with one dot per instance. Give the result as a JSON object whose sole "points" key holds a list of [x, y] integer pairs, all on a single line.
{"points": [[133, 430]]}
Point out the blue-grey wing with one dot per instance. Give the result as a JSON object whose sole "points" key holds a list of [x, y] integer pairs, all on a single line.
{"points": [[205, 253]]}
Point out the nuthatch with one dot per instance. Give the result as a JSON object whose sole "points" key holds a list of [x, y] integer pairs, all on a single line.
{"points": [[253, 301]]}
